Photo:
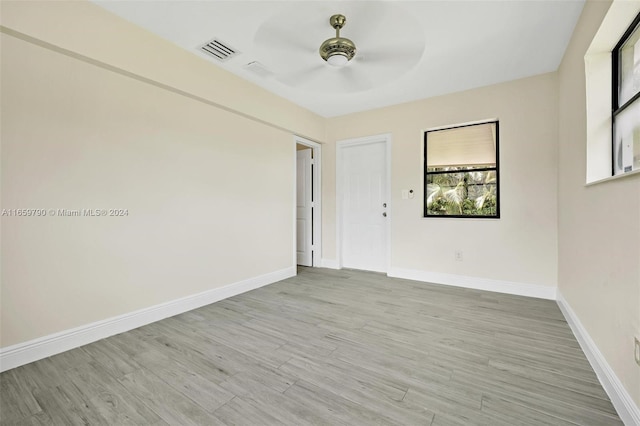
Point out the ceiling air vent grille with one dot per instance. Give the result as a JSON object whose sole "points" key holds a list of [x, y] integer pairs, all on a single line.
{"points": [[219, 50]]}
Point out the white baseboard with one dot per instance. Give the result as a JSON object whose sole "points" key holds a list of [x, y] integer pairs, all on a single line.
{"points": [[520, 289], [622, 401], [330, 264], [33, 350]]}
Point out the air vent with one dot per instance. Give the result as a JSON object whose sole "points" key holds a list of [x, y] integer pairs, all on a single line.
{"points": [[219, 50], [258, 69]]}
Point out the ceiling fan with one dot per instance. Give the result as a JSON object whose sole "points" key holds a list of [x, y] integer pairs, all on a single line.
{"points": [[383, 54], [337, 51]]}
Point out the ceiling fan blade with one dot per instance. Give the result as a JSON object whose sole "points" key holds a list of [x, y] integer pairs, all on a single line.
{"points": [[302, 77], [355, 79], [281, 38], [365, 19], [390, 55]]}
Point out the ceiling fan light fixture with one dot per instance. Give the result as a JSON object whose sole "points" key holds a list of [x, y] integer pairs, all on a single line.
{"points": [[337, 60], [337, 51]]}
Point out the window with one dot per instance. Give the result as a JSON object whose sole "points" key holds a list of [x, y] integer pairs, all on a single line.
{"points": [[461, 174], [626, 101]]}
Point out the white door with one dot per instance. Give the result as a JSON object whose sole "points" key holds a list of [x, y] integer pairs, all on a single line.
{"points": [[304, 206], [364, 201]]}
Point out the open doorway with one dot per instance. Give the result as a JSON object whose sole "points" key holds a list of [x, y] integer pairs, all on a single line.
{"points": [[307, 203]]}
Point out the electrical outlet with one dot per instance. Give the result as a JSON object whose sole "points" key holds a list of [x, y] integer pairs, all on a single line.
{"points": [[637, 351], [458, 255]]}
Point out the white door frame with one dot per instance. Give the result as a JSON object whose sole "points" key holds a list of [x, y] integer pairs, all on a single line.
{"points": [[340, 145], [317, 199]]}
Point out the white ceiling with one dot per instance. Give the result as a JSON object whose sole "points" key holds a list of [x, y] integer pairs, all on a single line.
{"points": [[407, 50]]}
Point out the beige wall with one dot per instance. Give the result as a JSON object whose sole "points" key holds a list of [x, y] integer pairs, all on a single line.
{"points": [[520, 247], [85, 29], [599, 225], [209, 191]]}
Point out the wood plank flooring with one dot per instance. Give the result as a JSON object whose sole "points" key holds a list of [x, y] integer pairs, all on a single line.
{"points": [[326, 347]]}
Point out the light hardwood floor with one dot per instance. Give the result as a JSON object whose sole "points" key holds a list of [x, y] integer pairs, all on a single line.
{"points": [[325, 347]]}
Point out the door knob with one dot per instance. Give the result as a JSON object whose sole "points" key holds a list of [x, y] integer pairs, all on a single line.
{"points": [[384, 214], [384, 204]]}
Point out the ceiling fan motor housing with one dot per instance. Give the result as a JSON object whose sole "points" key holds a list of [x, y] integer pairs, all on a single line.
{"points": [[338, 46]]}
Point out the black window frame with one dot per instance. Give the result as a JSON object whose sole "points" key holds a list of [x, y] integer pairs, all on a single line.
{"points": [[616, 72], [425, 173]]}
